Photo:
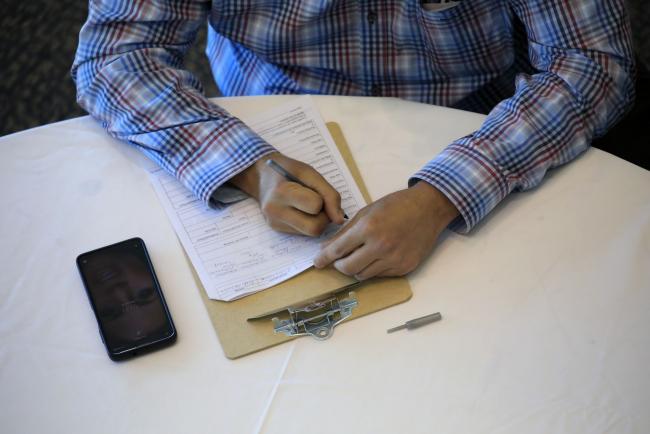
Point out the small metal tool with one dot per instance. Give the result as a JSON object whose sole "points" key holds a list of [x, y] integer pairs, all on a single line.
{"points": [[417, 322]]}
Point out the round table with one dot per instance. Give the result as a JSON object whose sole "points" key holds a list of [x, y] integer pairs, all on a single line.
{"points": [[546, 304]]}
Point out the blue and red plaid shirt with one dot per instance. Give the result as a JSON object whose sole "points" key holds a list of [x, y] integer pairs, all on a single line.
{"points": [[553, 74]]}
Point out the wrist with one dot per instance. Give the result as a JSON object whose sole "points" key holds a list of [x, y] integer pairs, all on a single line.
{"points": [[249, 179], [438, 205]]}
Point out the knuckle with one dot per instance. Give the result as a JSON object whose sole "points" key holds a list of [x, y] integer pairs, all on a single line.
{"points": [[338, 250], [386, 244], [362, 275], [314, 228], [371, 225], [343, 267], [391, 273], [331, 195], [323, 258], [313, 204]]}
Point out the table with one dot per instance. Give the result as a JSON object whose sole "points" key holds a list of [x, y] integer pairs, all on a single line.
{"points": [[546, 304]]}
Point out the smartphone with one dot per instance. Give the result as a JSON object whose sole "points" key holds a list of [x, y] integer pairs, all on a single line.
{"points": [[126, 297]]}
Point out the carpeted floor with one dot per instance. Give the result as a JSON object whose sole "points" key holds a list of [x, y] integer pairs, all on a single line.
{"points": [[38, 40]]}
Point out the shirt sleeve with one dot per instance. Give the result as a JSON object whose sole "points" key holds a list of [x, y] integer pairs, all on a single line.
{"points": [[584, 84], [129, 76]]}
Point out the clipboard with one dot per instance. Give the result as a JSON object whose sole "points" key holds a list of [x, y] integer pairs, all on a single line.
{"points": [[248, 324]]}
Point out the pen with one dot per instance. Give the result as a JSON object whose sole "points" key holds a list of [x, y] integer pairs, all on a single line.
{"points": [[289, 177]]}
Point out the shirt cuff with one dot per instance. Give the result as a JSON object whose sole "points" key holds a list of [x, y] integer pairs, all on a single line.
{"points": [[229, 150], [474, 183], [227, 194]]}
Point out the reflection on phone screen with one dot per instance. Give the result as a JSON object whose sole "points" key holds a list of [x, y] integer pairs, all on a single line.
{"points": [[125, 296]]}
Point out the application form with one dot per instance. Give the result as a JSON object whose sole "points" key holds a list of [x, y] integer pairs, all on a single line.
{"points": [[233, 250]]}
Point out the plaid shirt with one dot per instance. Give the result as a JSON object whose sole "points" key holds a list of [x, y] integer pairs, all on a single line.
{"points": [[553, 74]]}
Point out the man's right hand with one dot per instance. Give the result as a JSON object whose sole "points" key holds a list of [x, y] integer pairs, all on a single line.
{"points": [[288, 206]]}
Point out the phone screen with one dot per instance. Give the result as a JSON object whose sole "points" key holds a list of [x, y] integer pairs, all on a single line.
{"points": [[126, 297]]}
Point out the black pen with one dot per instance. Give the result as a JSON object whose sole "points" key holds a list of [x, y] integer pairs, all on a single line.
{"points": [[289, 177]]}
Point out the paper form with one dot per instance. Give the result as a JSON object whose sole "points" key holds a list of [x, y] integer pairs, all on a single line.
{"points": [[232, 248]]}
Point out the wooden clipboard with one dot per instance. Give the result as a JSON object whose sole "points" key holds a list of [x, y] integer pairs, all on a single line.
{"points": [[244, 326]]}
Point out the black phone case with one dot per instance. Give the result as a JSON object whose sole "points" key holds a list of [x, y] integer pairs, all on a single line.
{"points": [[145, 347]]}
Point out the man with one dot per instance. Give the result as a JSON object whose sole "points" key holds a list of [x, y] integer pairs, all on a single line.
{"points": [[554, 74]]}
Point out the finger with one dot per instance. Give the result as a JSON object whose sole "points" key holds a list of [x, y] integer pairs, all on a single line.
{"points": [[299, 197], [281, 216], [391, 272], [331, 197], [283, 227], [341, 246], [375, 269], [351, 225], [356, 261]]}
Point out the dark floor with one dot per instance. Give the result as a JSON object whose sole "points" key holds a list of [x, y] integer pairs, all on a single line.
{"points": [[38, 40]]}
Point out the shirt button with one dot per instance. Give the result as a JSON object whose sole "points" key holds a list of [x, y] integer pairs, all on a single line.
{"points": [[375, 90], [372, 17]]}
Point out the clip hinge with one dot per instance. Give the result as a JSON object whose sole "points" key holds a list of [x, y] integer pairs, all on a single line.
{"points": [[316, 319]]}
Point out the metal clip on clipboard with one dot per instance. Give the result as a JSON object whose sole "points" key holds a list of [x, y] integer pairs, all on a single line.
{"points": [[316, 319]]}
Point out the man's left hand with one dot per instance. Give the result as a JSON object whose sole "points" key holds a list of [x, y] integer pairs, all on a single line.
{"points": [[391, 236]]}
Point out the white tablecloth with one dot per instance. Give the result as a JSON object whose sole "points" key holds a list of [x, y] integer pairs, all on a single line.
{"points": [[546, 304]]}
